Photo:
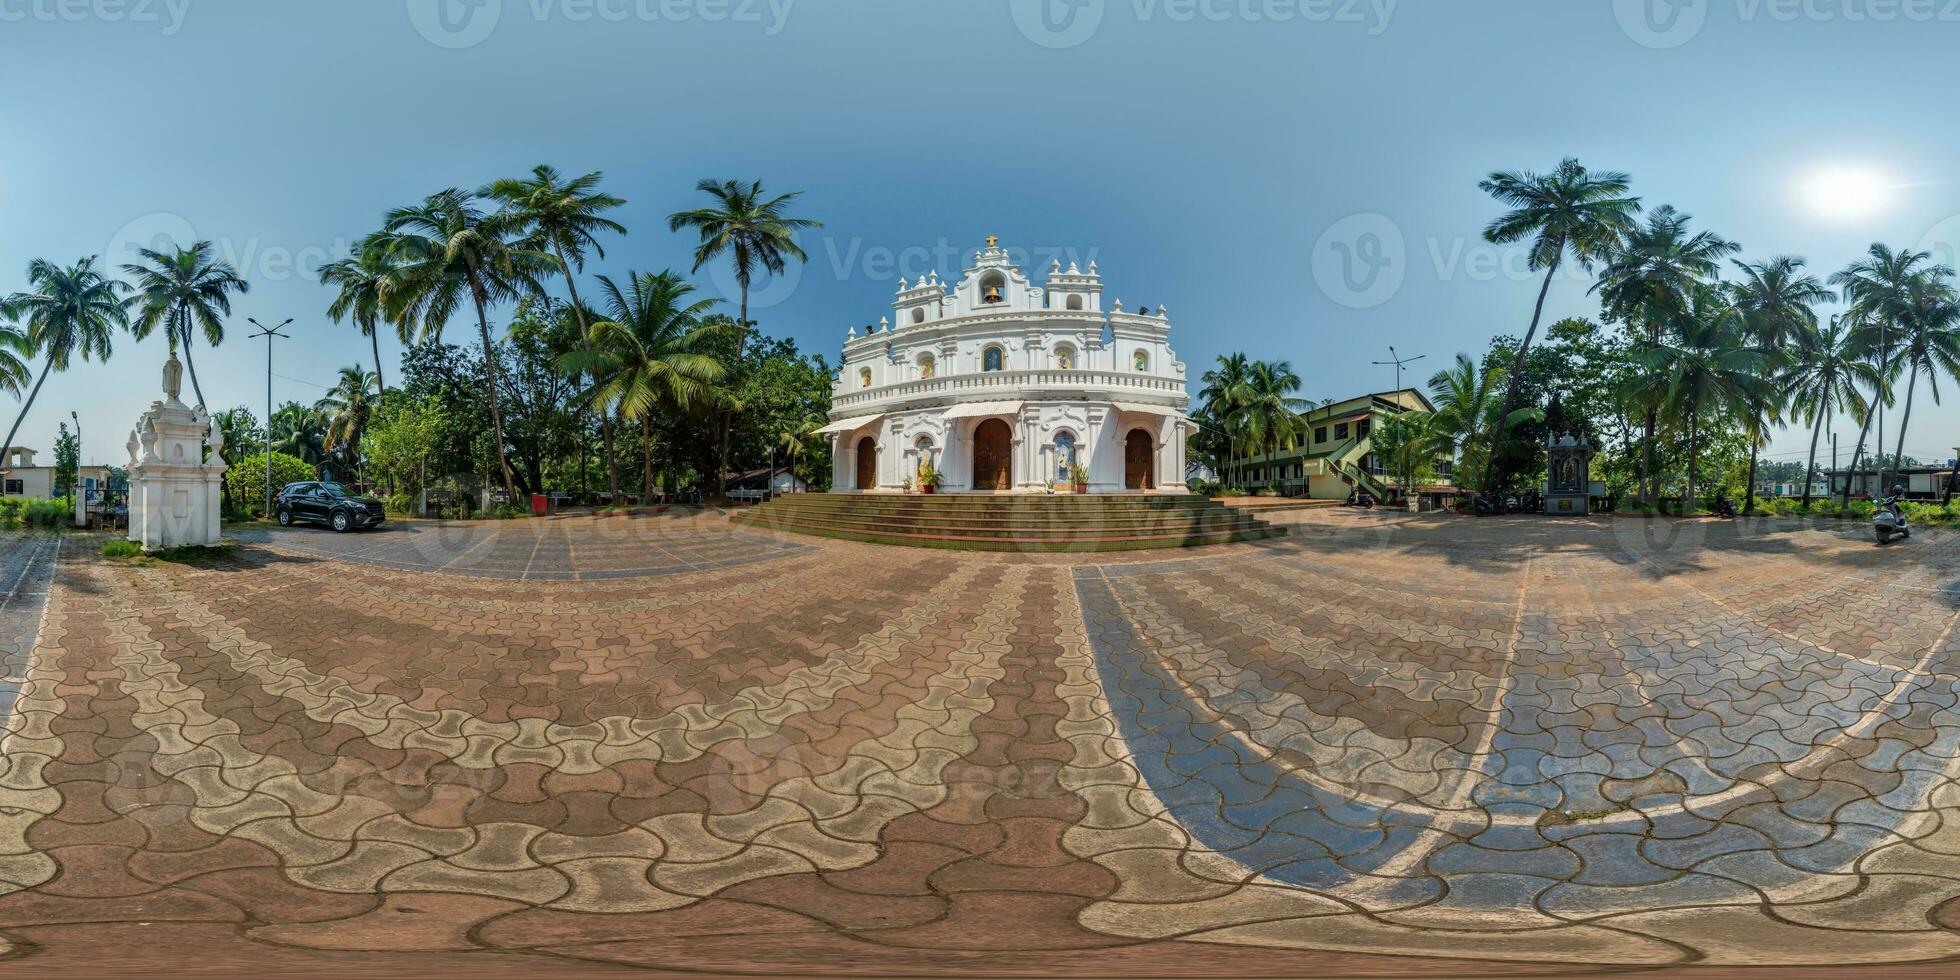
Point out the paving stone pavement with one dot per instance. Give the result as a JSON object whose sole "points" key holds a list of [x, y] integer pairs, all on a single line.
{"points": [[1382, 746]]}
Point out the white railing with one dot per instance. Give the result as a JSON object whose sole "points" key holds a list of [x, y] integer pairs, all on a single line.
{"points": [[1006, 385]]}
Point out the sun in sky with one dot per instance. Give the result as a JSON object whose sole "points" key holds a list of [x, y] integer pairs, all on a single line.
{"points": [[1848, 192]]}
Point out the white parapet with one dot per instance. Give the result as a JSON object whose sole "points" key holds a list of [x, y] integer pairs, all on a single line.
{"points": [[174, 492]]}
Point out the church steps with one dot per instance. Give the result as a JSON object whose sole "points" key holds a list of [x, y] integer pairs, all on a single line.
{"points": [[1026, 523]]}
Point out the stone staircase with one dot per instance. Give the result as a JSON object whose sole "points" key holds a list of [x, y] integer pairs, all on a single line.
{"points": [[1012, 523]]}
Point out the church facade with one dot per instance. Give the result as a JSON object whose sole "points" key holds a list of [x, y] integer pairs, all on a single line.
{"points": [[1004, 386]]}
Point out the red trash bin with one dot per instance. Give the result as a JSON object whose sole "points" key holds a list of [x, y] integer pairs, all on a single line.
{"points": [[540, 505]]}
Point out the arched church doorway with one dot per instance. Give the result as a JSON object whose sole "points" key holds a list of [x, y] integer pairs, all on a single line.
{"points": [[867, 464], [993, 456], [1139, 452]]}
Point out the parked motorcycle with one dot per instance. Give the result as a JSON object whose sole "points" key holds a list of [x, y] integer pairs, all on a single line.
{"points": [[1890, 518]]}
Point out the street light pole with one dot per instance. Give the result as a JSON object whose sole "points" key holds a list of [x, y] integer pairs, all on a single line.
{"points": [[1398, 360], [268, 333]]}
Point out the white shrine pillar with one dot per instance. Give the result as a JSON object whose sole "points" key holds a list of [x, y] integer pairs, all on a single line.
{"points": [[173, 492]]}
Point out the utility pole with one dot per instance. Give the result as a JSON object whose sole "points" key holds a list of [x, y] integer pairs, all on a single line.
{"points": [[268, 333], [1398, 361]]}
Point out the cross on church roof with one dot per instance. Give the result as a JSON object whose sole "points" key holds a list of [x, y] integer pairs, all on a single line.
{"points": [[993, 240]]}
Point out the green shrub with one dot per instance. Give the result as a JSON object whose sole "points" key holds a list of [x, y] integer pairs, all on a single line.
{"points": [[245, 483], [59, 512], [1785, 507], [508, 512], [401, 504], [121, 548]]}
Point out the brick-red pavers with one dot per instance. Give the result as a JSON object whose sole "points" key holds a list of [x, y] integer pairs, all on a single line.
{"points": [[1380, 747]]}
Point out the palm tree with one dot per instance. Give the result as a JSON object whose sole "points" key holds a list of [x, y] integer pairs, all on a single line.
{"points": [[1867, 342], [449, 251], [15, 352], [1650, 283], [797, 439], [1775, 301], [1269, 415], [349, 411], [1822, 380], [565, 218], [1469, 415], [1709, 369], [1223, 395], [756, 234], [1570, 211], [187, 287], [300, 432], [647, 356], [66, 313], [1915, 307], [364, 280]]}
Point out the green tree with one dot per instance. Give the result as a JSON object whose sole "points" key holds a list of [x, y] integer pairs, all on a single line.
{"points": [[1570, 211], [300, 432], [404, 435], [349, 409], [67, 459], [450, 251], [646, 355], [1709, 370], [16, 351], [1470, 415], [247, 485], [1823, 379], [756, 234], [241, 431], [185, 288], [67, 313], [1650, 284], [1776, 302], [566, 218], [1224, 394], [363, 281]]}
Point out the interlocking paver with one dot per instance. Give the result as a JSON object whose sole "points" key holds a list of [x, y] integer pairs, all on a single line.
{"points": [[1511, 742]]}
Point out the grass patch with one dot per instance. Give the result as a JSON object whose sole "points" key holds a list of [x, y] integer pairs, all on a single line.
{"points": [[121, 548]]}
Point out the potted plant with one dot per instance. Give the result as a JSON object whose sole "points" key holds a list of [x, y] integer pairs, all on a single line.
{"points": [[1080, 474], [906, 487], [929, 479]]}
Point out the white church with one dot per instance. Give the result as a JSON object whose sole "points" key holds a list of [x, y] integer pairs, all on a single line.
{"points": [[1002, 386]]}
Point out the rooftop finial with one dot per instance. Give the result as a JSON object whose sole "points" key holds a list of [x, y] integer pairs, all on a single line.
{"points": [[993, 241]]}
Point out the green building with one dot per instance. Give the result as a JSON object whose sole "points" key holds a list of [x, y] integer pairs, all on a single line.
{"points": [[1338, 455]]}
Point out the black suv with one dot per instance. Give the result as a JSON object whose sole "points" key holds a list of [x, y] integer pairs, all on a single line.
{"points": [[326, 503]]}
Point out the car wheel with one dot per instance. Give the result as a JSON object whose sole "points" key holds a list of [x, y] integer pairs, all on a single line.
{"points": [[340, 521], [285, 517]]}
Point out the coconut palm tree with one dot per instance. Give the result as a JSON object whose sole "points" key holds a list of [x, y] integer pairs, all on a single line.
{"points": [[300, 432], [451, 252], [181, 289], [349, 408], [565, 218], [1650, 284], [15, 353], [363, 281], [1223, 395], [1270, 414], [66, 313], [756, 234], [648, 356], [1570, 211], [1915, 306], [1775, 301], [1868, 342], [1709, 369], [1823, 379], [1471, 415]]}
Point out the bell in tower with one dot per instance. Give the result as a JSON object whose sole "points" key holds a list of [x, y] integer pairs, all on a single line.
{"points": [[993, 292]]}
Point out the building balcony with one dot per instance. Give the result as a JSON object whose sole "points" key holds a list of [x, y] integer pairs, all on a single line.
{"points": [[1024, 385]]}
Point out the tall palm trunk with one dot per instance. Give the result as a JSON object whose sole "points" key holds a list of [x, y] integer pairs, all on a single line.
{"points": [[1495, 470], [374, 340], [1755, 446], [191, 364], [1688, 505], [612, 457], [646, 458], [585, 343], [1899, 450], [8, 444], [1811, 466], [728, 414], [1845, 500], [490, 374]]}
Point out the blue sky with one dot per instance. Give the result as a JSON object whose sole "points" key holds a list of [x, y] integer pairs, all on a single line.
{"points": [[1223, 157]]}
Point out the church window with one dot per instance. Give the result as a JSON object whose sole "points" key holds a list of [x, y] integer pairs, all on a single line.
{"points": [[1075, 301], [919, 315], [1064, 457], [864, 377], [993, 289], [1065, 357], [1141, 361], [928, 367], [993, 359]]}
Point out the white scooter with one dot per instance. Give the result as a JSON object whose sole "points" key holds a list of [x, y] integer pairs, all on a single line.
{"points": [[1890, 518]]}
